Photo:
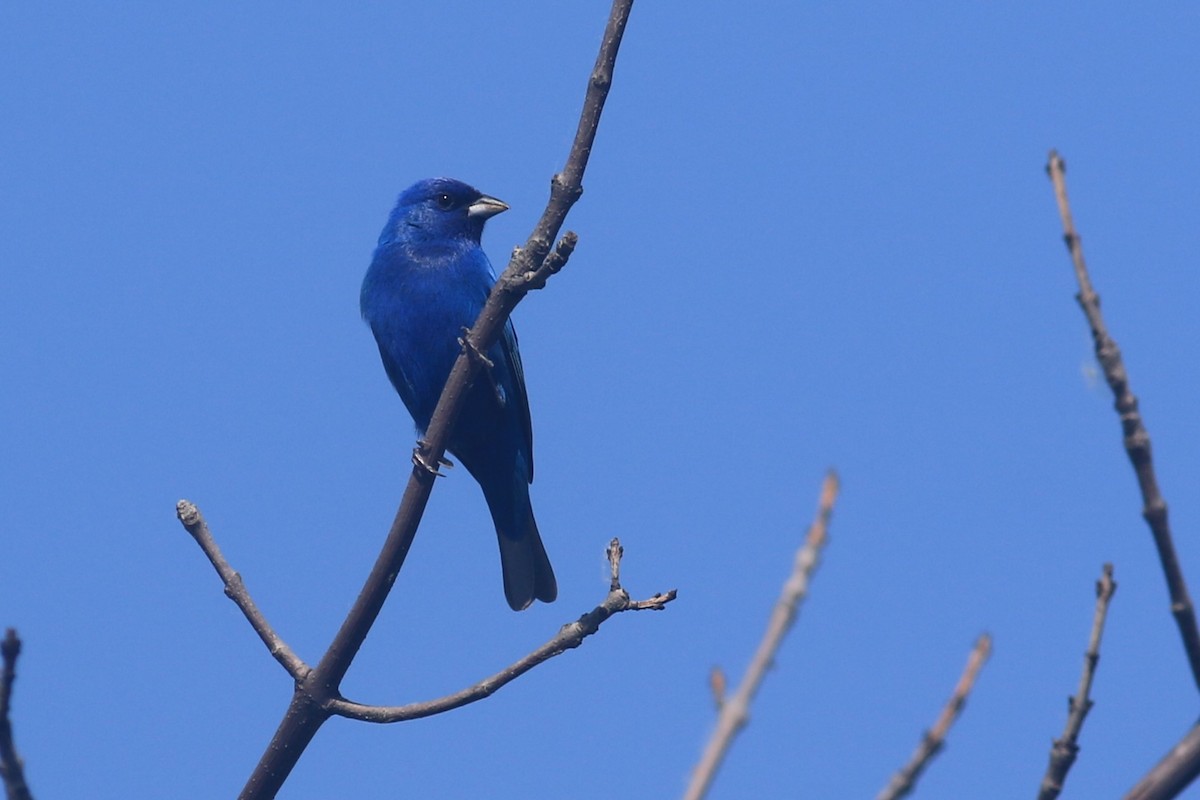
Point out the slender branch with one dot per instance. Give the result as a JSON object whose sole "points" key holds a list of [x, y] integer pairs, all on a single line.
{"points": [[569, 637], [1066, 747], [734, 710], [307, 711], [1173, 773], [235, 590], [934, 739], [1136, 439], [12, 770]]}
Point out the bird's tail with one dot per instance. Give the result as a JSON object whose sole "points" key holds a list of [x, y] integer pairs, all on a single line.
{"points": [[527, 571]]}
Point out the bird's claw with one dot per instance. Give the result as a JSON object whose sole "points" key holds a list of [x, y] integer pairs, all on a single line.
{"points": [[419, 460], [488, 365], [474, 352]]}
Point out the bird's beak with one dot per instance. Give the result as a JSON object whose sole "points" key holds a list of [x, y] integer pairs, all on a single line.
{"points": [[486, 207]]}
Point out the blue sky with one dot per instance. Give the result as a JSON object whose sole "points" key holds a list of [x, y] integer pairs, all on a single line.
{"points": [[813, 235]]}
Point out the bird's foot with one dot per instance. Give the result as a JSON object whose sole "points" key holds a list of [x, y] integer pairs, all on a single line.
{"points": [[419, 460], [488, 365], [474, 352]]}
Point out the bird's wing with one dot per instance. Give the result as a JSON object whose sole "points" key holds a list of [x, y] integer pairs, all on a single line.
{"points": [[512, 360]]}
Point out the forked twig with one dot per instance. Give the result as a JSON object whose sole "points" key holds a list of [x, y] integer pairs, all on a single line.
{"points": [[568, 637]]}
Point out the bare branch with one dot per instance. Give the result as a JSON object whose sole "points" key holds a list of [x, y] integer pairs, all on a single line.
{"points": [[935, 738], [1066, 747], [1173, 773], [1137, 440], [235, 590], [734, 710], [307, 711], [12, 770], [568, 637]]}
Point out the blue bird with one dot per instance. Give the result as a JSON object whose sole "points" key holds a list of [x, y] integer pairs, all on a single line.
{"points": [[428, 280]]}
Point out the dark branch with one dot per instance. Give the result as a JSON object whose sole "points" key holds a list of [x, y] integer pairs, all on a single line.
{"points": [[935, 738], [1136, 439], [1066, 747], [12, 770], [569, 637], [1174, 773], [235, 590], [734, 710], [307, 711]]}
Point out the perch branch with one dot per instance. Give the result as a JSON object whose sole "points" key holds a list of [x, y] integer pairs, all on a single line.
{"points": [[235, 590], [568, 637], [308, 709], [1066, 747], [1136, 439], [12, 770], [734, 710]]}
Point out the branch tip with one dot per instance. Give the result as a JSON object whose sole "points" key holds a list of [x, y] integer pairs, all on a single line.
{"points": [[12, 768], [10, 648], [717, 682], [934, 739], [614, 553], [1064, 749], [734, 710], [187, 512]]}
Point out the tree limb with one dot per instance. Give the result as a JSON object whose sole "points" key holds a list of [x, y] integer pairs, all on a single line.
{"points": [[528, 268], [1136, 439]]}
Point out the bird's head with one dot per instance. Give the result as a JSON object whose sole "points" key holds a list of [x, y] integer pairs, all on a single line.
{"points": [[440, 208]]}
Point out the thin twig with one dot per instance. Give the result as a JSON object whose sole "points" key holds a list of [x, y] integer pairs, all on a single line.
{"points": [[734, 710], [568, 637], [1173, 773], [12, 770], [308, 709], [1066, 748], [1136, 439], [934, 739], [235, 590]]}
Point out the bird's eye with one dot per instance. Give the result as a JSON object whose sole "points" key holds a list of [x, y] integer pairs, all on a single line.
{"points": [[445, 201]]}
